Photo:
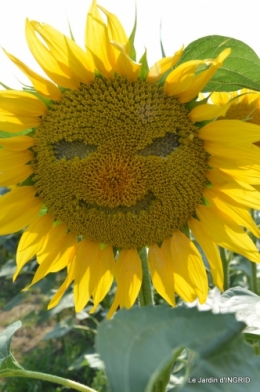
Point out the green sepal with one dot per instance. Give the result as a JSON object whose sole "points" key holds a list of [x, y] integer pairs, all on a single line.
{"points": [[161, 43], [4, 134], [28, 182], [193, 103], [132, 51], [185, 230], [145, 67], [71, 33], [31, 90], [5, 86]]}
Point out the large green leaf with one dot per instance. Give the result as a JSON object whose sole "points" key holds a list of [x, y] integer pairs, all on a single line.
{"points": [[241, 68], [245, 304], [7, 361], [139, 343], [232, 368]]}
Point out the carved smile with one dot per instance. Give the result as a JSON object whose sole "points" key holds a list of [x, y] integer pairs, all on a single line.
{"points": [[141, 205]]}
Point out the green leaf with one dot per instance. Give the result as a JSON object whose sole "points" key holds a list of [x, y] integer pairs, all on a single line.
{"points": [[16, 300], [234, 368], [245, 304], [137, 345], [145, 67], [62, 328], [7, 362], [241, 69], [8, 269], [132, 53]]}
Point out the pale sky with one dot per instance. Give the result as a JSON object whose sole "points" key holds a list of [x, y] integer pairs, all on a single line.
{"points": [[183, 21]]}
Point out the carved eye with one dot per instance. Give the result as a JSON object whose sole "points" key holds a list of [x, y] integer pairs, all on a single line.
{"points": [[161, 146], [70, 150]]}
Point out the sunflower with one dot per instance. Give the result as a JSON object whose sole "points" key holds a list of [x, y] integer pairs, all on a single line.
{"points": [[242, 105], [117, 159]]}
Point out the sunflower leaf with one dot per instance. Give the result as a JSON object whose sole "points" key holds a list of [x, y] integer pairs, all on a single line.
{"points": [[138, 344], [7, 362], [241, 69], [245, 304], [234, 368]]}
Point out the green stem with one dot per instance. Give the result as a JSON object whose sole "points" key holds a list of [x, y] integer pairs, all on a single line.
{"points": [[162, 382], [85, 328], [48, 377], [146, 294], [225, 264], [163, 379], [256, 348], [146, 298]]}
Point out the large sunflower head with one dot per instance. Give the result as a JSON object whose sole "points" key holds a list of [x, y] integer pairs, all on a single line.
{"points": [[114, 161]]}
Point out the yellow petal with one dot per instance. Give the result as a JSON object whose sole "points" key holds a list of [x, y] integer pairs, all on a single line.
{"points": [[242, 193], [161, 269], [220, 98], [240, 156], [128, 273], [10, 159], [18, 208], [236, 213], [98, 43], [65, 285], [115, 29], [211, 251], [180, 78], [247, 174], [32, 240], [218, 178], [188, 264], [21, 103], [73, 61], [163, 65], [62, 256], [43, 86], [226, 233], [46, 60], [121, 61], [87, 256], [15, 123], [208, 112], [113, 307], [56, 260], [124, 65], [183, 286], [200, 81], [51, 241], [17, 143], [14, 175], [234, 132], [105, 275]]}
